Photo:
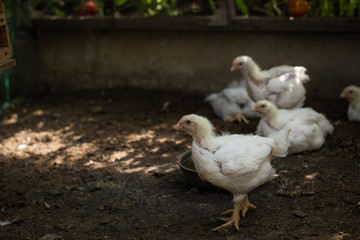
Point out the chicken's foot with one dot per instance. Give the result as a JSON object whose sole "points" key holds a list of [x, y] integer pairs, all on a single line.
{"points": [[234, 219], [240, 118], [246, 205]]}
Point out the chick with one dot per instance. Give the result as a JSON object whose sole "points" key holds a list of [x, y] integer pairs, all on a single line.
{"points": [[308, 128], [232, 104], [352, 94], [237, 163], [282, 85]]}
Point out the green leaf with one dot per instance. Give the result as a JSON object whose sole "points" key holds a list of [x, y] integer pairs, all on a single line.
{"points": [[212, 6], [58, 12], [119, 2], [242, 7], [327, 9]]}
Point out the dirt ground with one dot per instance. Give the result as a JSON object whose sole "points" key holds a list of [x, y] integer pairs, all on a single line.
{"points": [[103, 165]]}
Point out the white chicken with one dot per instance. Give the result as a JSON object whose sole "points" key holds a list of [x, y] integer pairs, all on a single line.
{"points": [[308, 128], [282, 85], [232, 104], [352, 94], [237, 163]]}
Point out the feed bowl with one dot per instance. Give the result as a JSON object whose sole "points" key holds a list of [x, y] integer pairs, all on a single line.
{"points": [[191, 175]]}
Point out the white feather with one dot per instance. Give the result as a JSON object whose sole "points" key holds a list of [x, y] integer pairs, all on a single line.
{"points": [[232, 101], [352, 94], [237, 163], [282, 85], [308, 128]]}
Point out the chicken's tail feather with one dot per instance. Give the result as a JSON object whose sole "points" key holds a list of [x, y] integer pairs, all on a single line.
{"points": [[301, 74]]}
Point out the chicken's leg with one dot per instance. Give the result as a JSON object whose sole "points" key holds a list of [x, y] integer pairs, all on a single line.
{"points": [[234, 219], [246, 205]]}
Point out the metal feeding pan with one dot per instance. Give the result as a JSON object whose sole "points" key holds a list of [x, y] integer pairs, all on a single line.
{"points": [[191, 175]]}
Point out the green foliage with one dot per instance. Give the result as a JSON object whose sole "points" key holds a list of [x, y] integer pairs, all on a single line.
{"points": [[263, 7], [119, 2], [51, 7], [272, 8], [347, 7], [332, 8], [327, 8], [159, 8], [150, 8], [212, 6], [241, 6]]}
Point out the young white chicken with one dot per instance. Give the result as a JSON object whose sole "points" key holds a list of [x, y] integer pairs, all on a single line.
{"points": [[352, 94], [237, 163], [282, 85], [308, 128], [232, 104]]}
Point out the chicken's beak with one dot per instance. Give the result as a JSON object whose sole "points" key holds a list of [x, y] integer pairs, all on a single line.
{"points": [[343, 95], [254, 109], [178, 126], [233, 67]]}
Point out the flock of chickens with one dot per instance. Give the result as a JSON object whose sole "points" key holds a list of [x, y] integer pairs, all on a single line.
{"points": [[240, 163]]}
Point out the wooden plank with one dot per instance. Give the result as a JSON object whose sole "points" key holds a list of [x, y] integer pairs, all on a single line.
{"points": [[2, 19], [8, 63], [2, 6], [4, 41], [230, 5], [5, 53], [278, 24], [221, 17], [5, 45], [252, 24], [138, 23]]}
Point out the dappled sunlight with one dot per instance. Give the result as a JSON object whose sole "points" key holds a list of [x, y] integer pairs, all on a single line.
{"points": [[312, 176], [78, 151], [163, 168], [54, 147], [119, 155], [144, 134], [26, 143], [95, 165], [66, 146], [340, 236]]}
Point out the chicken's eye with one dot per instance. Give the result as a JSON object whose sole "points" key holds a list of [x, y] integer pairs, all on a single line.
{"points": [[188, 121], [262, 105], [241, 105], [350, 91]]}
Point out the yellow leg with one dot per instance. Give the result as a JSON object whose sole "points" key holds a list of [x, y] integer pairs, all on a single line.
{"points": [[246, 205], [234, 219]]}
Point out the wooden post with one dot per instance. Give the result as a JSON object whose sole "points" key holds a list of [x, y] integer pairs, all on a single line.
{"points": [[230, 9], [224, 14], [5, 44]]}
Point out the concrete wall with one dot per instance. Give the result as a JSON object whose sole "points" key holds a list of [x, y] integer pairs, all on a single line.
{"points": [[192, 60]]}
